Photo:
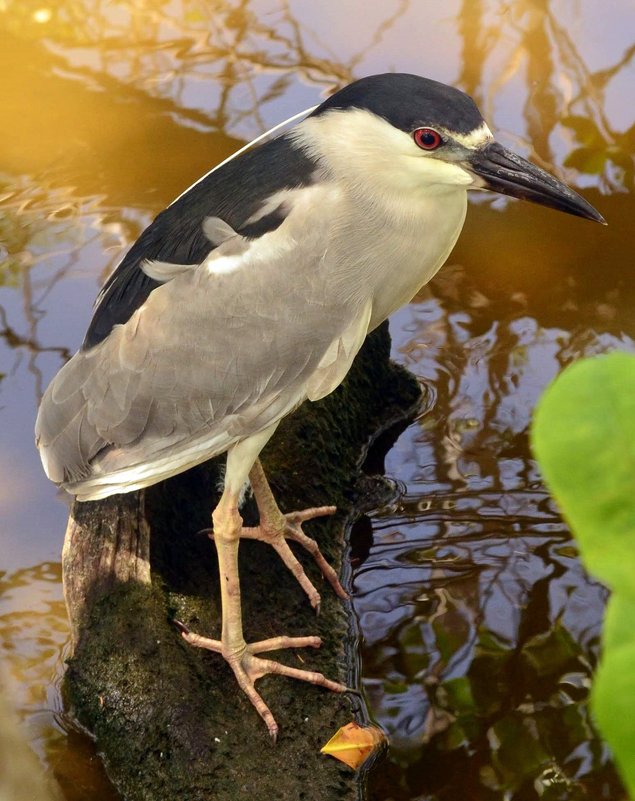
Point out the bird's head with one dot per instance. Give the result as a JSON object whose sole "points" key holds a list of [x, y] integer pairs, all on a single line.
{"points": [[407, 134]]}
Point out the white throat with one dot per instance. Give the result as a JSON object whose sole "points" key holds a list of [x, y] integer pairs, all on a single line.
{"points": [[399, 215]]}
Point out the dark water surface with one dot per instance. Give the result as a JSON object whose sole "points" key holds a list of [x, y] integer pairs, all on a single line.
{"points": [[480, 626]]}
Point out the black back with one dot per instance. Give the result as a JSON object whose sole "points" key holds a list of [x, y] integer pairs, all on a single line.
{"points": [[233, 192]]}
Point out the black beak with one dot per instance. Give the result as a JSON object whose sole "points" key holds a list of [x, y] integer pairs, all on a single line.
{"points": [[505, 172]]}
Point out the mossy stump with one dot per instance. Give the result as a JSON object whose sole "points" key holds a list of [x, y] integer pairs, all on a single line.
{"points": [[169, 719]]}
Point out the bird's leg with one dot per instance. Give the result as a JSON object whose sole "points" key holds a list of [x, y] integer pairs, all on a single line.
{"points": [[276, 528], [241, 656]]}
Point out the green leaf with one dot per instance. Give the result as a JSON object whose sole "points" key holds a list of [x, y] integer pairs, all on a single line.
{"points": [[459, 695], [584, 438], [517, 751], [613, 693], [618, 628], [549, 653]]}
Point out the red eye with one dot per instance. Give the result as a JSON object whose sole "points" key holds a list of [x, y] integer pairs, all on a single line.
{"points": [[427, 138]]}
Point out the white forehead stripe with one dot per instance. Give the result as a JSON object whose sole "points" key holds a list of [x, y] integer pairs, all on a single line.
{"points": [[479, 136]]}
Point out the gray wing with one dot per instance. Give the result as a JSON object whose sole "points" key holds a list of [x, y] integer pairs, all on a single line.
{"points": [[216, 354]]}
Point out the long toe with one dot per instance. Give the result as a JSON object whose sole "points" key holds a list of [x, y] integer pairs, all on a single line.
{"points": [[270, 666], [277, 528], [293, 531], [248, 668], [246, 681], [255, 667]]}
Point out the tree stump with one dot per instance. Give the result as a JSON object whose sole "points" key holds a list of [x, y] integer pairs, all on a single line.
{"points": [[169, 719]]}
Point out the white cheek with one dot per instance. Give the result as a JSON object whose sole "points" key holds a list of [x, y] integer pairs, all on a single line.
{"points": [[435, 171], [362, 149]]}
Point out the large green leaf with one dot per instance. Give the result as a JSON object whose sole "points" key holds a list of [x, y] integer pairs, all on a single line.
{"points": [[584, 438]]}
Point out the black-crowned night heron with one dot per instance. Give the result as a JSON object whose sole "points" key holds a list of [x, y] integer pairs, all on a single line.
{"points": [[253, 292]]}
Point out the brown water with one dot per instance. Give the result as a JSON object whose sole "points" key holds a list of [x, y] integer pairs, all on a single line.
{"points": [[480, 627]]}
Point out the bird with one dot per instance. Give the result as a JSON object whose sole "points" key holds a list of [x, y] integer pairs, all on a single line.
{"points": [[252, 293]]}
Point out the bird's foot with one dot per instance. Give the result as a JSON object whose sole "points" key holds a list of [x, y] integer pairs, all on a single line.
{"points": [[248, 667], [276, 528]]}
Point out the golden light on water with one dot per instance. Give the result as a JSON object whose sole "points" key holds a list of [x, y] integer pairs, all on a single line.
{"points": [[42, 15]]}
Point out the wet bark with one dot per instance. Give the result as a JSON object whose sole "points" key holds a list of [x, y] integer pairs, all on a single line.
{"points": [[169, 719]]}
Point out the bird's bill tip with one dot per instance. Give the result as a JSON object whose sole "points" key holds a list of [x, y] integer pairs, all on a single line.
{"points": [[505, 172]]}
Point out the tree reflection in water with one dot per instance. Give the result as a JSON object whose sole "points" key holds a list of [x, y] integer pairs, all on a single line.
{"points": [[481, 628]]}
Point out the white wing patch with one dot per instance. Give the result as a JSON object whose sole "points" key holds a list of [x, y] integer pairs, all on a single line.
{"points": [[164, 271], [221, 265], [217, 230], [339, 356]]}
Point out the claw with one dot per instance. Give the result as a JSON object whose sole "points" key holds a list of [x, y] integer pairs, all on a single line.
{"points": [[181, 626]]}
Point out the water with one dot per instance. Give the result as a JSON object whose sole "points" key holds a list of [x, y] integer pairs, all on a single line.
{"points": [[480, 627]]}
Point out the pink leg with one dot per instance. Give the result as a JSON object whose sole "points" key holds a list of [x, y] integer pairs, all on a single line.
{"points": [[241, 656], [276, 528]]}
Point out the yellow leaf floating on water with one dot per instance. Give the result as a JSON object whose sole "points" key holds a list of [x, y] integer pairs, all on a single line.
{"points": [[353, 744]]}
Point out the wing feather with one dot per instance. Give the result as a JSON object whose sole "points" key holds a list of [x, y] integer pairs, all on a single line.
{"points": [[208, 359], [339, 356]]}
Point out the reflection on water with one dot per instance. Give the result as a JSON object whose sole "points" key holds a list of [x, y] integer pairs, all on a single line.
{"points": [[33, 632], [34, 637], [480, 627]]}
